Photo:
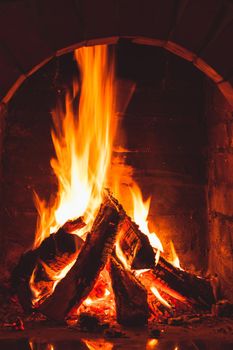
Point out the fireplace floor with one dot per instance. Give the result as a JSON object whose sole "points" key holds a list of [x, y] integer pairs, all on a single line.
{"points": [[209, 333]]}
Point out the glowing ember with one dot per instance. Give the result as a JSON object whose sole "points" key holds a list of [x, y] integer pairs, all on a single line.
{"points": [[151, 343], [47, 346], [139, 273], [82, 139], [101, 299], [98, 344]]}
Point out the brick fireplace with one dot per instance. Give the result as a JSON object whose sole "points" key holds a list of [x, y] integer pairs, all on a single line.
{"points": [[174, 77], [176, 141]]}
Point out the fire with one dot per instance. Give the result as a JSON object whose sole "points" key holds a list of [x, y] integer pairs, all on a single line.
{"points": [[82, 139], [175, 259], [140, 214], [91, 301], [34, 346], [39, 293], [121, 255], [151, 343], [98, 344], [156, 293], [101, 299]]}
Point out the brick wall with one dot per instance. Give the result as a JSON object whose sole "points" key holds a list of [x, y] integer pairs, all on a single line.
{"points": [[220, 187], [164, 128]]}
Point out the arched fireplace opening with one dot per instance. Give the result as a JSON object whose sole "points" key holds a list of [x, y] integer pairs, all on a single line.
{"points": [[171, 144], [174, 78]]}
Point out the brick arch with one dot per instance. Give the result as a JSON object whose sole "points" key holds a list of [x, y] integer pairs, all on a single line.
{"points": [[33, 32]]}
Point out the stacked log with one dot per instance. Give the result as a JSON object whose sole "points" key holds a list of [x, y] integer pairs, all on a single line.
{"points": [[48, 260], [178, 283], [133, 242], [130, 296], [80, 280], [90, 257]]}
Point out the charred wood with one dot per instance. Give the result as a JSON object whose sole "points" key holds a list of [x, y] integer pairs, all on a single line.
{"points": [[139, 254], [130, 296], [183, 285], [49, 259], [134, 244], [79, 281]]}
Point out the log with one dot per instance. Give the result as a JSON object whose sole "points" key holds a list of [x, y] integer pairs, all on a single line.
{"points": [[183, 285], [130, 296], [79, 281], [61, 248], [49, 259], [178, 283], [134, 244]]}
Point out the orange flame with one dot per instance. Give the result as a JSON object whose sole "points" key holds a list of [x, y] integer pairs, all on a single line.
{"points": [[34, 346], [39, 293], [175, 261], [156, 293], [121, 255], [82, 140], [140, 214], [90, 301], [98, 344], [100, 300], [151, 343]]}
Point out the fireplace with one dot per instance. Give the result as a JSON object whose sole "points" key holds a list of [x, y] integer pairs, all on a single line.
{"points": [[173, 140], [165, 142]]}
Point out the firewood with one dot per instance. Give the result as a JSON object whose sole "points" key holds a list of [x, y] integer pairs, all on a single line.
{"points": [[139, 254], [134, 244], [130, 296], [79, 281], [183, 285], [49, 259]]}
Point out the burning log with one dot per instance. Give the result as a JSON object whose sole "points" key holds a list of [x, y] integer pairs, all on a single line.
{"points": [[133, 242], [183, 285], [61, 249], [45, 263], [178, 283], [130, 296], [174, 281], [79, 281]]}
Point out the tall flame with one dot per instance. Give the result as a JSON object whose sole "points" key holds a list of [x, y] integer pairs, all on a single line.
{"points": [[82, 139]]}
